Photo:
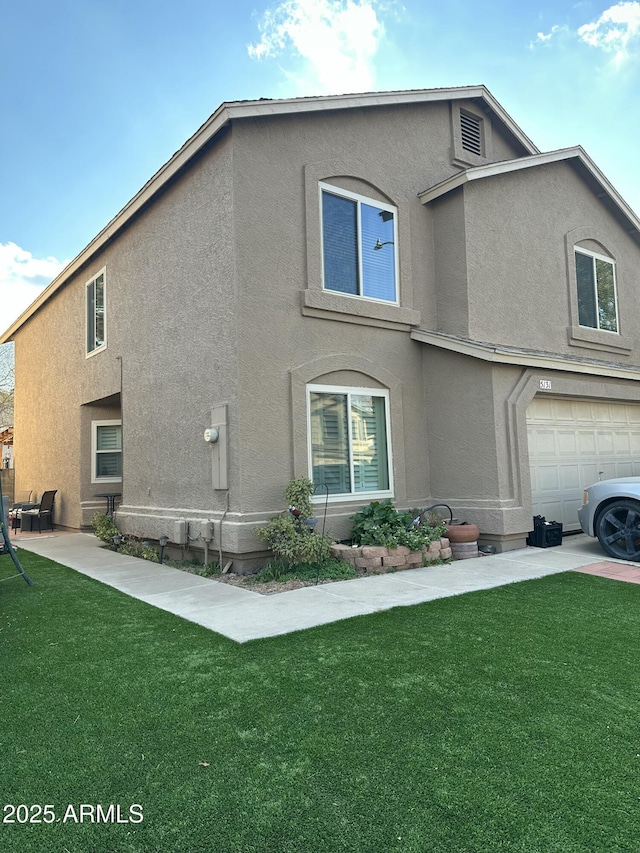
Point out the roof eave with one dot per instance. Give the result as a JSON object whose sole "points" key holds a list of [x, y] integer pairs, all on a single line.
{"points": [[504, 167], [514, 356]]}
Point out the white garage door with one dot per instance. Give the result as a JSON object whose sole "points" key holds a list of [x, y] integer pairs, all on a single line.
{"points": [[573, 443]]}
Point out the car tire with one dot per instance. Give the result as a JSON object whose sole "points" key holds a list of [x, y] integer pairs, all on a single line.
{"points": [[618, 529]]}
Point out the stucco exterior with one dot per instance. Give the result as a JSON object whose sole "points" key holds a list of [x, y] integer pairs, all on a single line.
{"points": [[216, 313]]}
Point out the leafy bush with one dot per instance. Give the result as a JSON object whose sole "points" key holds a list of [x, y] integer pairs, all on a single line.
{"points": [[288, 536], [298, 494], [380, 523], [104, 528], [293, 542], [134, 548]]}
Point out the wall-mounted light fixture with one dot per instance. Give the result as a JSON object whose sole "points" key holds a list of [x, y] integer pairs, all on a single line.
{"points": [[379, 244], [211, 435]]}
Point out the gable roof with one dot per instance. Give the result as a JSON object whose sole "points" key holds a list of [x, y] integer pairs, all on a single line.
{"points": [[576, 156], [265, 107]]}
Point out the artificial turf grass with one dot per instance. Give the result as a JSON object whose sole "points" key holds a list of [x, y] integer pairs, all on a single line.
{"points": [[498, 720]]}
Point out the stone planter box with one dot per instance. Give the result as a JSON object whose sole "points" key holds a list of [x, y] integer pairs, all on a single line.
{"points": [[374, 559]]}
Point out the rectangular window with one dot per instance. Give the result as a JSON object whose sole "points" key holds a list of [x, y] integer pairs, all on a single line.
{"points": [[96, 318], [106, 443], [596, 279], [349, 450], [358, 245]]}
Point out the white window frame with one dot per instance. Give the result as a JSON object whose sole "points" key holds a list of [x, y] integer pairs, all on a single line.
{"points": [[595, 256], [95, 451], [361, 199], [349, 391], [91, 283]]}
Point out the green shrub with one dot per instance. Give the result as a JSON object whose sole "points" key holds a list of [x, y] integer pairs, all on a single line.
{"points": [[104, 527], [288, 536], [293, 542], [298, 494], [134, 548], [380, 523]]}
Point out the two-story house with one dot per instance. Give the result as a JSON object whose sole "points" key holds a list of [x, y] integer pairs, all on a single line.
{"points": [[396, 294]]}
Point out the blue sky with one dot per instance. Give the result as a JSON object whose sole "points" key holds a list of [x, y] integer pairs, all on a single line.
{"points": [[95, 95]]}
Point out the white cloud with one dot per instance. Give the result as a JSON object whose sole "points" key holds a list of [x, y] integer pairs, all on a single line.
{"points": [[616, 31], [545, 38], [336, 39], [22, 279]]}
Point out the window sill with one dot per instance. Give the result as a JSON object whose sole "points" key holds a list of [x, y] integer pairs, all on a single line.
{"points": [[348, 309], [360, 498], [581, 336], [95, 351]]}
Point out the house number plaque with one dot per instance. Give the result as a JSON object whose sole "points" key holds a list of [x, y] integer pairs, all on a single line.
{"points": [[545, 385]]}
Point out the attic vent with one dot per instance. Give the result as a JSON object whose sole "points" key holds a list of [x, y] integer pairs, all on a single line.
{"points": [[471, 133]]}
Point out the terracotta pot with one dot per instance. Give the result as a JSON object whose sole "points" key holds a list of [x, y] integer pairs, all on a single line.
{"points": [[462, 533]]}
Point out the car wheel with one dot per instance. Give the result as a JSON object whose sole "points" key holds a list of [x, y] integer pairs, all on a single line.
{"points": [[618, 530]]}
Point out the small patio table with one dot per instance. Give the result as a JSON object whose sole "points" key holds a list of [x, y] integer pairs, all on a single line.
{"points": [[111, 501]]}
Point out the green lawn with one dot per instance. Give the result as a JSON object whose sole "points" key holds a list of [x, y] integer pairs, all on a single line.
{"points": [[503, 720]]}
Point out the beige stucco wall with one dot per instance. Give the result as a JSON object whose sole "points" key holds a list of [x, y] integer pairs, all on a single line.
{"points": [[47, 439], [170, 342], [517, 241]]}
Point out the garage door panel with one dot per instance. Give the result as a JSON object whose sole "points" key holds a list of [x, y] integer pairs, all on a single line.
{"points": [[548, 479], [571, 477], [602, 414], [551, 510], [563, 411], [622, 443], [590, 473], [586, 442], [545, 442], [573, 443], [604, 443], [567, 443], [624, 469], [544, 410], [582, 412]]}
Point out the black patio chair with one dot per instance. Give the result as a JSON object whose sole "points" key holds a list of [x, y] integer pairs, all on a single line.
{"points": [[43, 510], [15, 511]]}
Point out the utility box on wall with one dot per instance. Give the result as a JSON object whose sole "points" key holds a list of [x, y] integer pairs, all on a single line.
{"points": [[180, 532], [219, 472], [206, 530]]}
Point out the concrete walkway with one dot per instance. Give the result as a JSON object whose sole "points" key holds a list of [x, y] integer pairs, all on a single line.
{"points": [[243, 615]]}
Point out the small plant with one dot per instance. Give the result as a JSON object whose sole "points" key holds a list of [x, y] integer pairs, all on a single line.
{"points": [[195, 567], [277, 570], [298, 495], [380, 523], [135, 548], [104, 528], [291, 539]]}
